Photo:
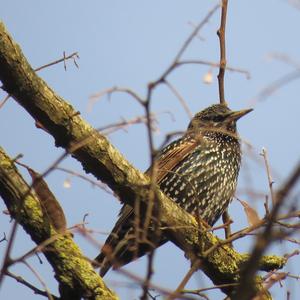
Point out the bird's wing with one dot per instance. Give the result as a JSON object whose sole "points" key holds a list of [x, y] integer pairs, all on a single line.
{"points": [[169, 159], [112, 252]]}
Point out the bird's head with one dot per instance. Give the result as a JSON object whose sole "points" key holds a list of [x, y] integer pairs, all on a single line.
{"points": [[217, 117]]}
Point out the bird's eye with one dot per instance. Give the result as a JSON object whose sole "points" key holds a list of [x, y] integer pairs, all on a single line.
{"points": [[218, 118]]}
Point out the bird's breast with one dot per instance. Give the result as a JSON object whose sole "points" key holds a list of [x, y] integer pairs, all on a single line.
{"points": [[203, 183]]}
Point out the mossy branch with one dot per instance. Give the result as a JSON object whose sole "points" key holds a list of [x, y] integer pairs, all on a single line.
{"points": [[74, 273]]}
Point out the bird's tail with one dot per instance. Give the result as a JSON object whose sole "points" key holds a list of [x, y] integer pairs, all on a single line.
{"points": [[124, 245]]}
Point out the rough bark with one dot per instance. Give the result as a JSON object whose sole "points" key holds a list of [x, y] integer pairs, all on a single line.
{"points": [[74, 273]]}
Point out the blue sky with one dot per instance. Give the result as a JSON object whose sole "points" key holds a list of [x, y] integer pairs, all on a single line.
{"points": [[129, 44]]}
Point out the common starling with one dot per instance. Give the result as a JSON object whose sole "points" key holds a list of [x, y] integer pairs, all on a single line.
{"points": [[198, 171]]}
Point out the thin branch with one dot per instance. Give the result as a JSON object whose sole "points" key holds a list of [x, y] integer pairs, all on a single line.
{"points": [[268, 169], [185, 45], [4, 238], [195, 32], [285, 59], [86, 178], [36, 290], [93, 98], [71, 56], [9, 246], [147, 282], [290, 183], [276, 85], [214, 65], [264, 239], [4, 100], [110, 128], [199, 291], [221, 35], [227, 221], [39, 278], [195, 267], [246, 231], [180, 98]]}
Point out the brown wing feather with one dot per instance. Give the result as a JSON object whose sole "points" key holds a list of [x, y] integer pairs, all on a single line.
{"points": [[167, 162]]}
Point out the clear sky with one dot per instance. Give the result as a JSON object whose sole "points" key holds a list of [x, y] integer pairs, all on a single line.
{"points": [[128, 44]]}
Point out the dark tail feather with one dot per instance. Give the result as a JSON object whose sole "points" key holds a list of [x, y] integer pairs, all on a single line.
{"points": [[100, 262], [121, 246], [121, 255]]}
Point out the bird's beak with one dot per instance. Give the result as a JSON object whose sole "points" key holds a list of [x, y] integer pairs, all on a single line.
{"points": [[235, 115]]}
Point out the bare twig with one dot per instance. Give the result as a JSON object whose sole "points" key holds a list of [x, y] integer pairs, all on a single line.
{"points": [[246, 288], [246, 231], [4, 238], [7, 250], [146, 283], [4, 100], [86, 178], [36, 274], [196, 265], [199, 291], [110, 128], [287, 187], [195, 32], [270, 180], [285, 59], [221, 35], [227, 221], [36, 290], [184, 46], [214, 65], [71, 56], [180, 98], [93, 98], [276, 85]]}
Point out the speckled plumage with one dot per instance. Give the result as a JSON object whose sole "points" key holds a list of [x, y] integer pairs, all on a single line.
{"points": [[198, 171], [204, 183]]}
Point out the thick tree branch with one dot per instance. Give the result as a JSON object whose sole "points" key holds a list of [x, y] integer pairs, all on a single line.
{"points": [[74, 273], [100, 158]]}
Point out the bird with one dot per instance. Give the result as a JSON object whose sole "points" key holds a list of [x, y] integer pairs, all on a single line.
{"points": [[198, 171]]}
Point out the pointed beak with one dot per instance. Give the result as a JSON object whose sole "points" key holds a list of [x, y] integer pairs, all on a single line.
{"points": [[235, 115]]}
